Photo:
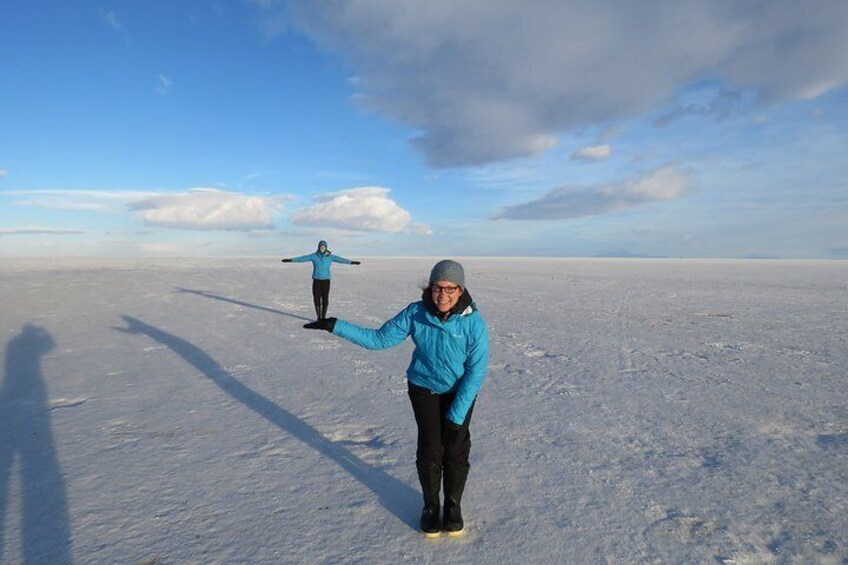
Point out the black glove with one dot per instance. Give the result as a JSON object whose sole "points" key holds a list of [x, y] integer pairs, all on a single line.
{"points": [[452, 432], [286, 260], [356, 262], [326, 324]]}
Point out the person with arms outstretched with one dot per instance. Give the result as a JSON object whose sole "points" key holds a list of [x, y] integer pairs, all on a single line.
{"points": [[448, 366], [321, 261]]}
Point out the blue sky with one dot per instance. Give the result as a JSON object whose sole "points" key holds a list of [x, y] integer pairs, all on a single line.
{"points": [[257, 127]]}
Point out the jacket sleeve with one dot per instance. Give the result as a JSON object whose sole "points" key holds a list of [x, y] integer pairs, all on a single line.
{"points": [[390, 334], [340, 259], [303, 258], [476, 367]]}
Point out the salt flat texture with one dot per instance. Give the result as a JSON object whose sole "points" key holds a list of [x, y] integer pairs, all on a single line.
{"points": [[636, 411]]}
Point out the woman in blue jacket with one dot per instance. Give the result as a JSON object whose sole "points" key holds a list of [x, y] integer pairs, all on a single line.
{"points": [[321, 261], [447, 368]]}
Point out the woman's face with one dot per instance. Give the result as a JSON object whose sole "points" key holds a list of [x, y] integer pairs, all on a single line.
{"points": [[321, 249], [445, 294]]}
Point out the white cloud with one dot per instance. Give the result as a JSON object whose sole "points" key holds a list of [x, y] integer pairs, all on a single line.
{"points": [[592, 153], [111, 18], [91, 200], [206, 209], [163, 84], [3, 173], [665, 183], [361, 209], [39, 230], [196, 209], [479, 88]]}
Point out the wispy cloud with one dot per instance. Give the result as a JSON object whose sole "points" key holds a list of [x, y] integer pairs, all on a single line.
{"points": [[592, 153], [481, 89], [39, 230], [206, 209], [111, 19], [163, 84], [3, 173], [665, 183], [92, 200], [362, 209]]}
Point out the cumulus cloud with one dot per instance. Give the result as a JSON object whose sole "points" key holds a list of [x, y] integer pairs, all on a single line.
{"points": [[361, 209], [479, 88], [665, 183], [196, 209], [38, 230], [205, 209], [592, 153]]}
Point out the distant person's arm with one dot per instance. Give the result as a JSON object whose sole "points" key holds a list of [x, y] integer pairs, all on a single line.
{"points": [[340, 259], [301, 259]]}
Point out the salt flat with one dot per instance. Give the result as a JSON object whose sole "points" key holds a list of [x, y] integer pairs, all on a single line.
{"points": [[636, 411]]}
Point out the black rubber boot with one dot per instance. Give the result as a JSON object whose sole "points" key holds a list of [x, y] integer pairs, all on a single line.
{"points": [[455, 478], [430, 476]]}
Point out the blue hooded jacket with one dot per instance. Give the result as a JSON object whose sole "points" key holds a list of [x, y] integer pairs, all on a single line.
{"points": [[321, 262], [450, 355]]}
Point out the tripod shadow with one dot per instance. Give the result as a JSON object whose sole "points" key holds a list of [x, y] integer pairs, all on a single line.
{"points": [[397, 497], [25, 434], [240, 303]]}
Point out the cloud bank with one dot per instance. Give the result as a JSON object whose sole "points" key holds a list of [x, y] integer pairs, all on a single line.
{"points": [[195, 209], [481, 88], [205, 209], [39, 230], [360, 209], [562, 203]]}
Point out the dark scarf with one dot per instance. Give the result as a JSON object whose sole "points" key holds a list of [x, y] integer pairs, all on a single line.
{"points": [[464, 302]]}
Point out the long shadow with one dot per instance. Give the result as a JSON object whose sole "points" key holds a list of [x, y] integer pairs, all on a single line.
{"points": [[240, 303], [397, 497], [25, 434]]}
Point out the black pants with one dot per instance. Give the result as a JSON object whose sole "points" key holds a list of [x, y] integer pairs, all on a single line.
{"points": [[321, 296], [438, 445]]}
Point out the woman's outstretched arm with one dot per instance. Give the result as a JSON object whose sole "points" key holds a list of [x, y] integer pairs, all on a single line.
{"points": [[390, 334]]}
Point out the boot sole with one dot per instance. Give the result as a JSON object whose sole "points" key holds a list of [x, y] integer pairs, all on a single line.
{"points": [[431, 534], [456, 533]]}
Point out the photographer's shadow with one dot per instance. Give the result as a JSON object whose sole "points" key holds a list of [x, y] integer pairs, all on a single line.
{"points": [[397, 497], [26, 435]]}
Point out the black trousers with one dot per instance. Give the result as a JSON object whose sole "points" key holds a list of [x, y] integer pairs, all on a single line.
{"points": [[321, 296], [438, 445]]}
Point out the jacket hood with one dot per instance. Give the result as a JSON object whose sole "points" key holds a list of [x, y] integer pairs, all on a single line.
{"points": [[326, 247], [464, 306]]}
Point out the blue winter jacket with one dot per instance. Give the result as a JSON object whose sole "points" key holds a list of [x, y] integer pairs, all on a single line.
{"points": [[321, 263], [449, 356]]}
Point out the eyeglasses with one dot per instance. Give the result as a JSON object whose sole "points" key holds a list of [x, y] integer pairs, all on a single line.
{"points": [[446, 289]]}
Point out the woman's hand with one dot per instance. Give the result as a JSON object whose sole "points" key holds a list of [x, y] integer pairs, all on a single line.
{"points": [[326, 324]]}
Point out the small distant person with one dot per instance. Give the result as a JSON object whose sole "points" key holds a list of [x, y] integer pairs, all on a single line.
{"points": [[448, 366], [321, 261]]}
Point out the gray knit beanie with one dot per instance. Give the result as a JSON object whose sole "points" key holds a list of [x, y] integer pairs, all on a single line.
{"points": [[447, 270]]}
